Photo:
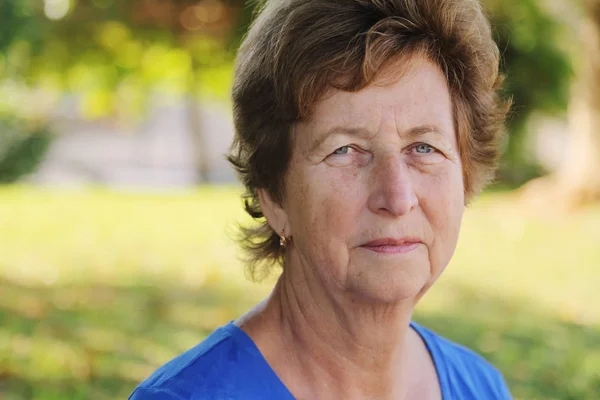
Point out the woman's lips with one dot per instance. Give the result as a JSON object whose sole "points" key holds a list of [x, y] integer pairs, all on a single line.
{"points": [[392, 246]]}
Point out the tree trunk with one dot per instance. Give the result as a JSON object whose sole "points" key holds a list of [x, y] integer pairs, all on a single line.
{"points": [[196, 131], [579, 177]]}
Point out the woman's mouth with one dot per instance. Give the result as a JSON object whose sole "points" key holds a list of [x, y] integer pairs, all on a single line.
{"points": [[392, 245]]}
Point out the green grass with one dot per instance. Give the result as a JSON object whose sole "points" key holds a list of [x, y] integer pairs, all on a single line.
{"points": [[98, 288]]}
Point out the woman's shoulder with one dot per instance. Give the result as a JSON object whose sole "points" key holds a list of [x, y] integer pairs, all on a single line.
{"points": [[463, 372], [225, 365], [187, 372]]}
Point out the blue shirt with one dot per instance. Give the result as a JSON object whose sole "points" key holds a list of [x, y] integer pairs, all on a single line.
{"points": [[229, 366]]}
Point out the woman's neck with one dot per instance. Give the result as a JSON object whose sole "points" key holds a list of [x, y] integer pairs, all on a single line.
{"points": [[333, 345]]}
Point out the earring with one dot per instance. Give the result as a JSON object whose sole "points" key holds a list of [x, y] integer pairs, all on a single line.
{"points": [[283, 242]]}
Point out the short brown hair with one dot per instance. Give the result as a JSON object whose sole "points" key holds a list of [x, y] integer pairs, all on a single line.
{"points": [[297, 49]]}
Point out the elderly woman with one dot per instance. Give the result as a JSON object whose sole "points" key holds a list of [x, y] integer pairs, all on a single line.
{"points": [[363, 129]]}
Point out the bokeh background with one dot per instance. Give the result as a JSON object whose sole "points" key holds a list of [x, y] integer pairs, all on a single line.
{"points": [[117, 208]]}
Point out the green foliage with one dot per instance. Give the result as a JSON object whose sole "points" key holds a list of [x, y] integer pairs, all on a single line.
{"points": [[114, 54], [111, 56], [17, 23], [534, 59], [538, 72], [22, 148], [108, 294]]}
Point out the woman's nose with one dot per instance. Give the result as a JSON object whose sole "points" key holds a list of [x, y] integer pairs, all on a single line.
{"points": [[393, 192]]}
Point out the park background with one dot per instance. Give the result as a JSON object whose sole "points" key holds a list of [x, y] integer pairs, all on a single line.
{"points": [[117, 208]]}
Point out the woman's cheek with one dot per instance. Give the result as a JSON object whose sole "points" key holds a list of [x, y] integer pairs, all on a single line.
{"points": [[346, 182]]}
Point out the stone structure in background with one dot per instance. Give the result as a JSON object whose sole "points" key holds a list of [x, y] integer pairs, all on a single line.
{"points": [[158, 153]]}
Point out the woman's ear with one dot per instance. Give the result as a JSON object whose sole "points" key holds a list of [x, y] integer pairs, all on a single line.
{"points": [[274, 213]]}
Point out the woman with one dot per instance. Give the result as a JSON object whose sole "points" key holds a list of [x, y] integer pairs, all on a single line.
{"points": [[363, 129]]}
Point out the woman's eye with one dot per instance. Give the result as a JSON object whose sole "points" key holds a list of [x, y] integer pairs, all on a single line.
{"points": [[424, 148], [348, 155], [342, 151]]}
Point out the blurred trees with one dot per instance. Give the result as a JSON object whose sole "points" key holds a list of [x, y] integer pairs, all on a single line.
{"points": [[22, 147], [538, 70], [579, 178], [113, 56], [24, 137]]}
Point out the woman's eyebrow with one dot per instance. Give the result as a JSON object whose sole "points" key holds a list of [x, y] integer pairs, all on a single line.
{"points": [[350, 131], [419, 131]]}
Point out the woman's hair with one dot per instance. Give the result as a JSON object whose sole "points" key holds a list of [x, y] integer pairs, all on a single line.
{"points": [[298, 49]]}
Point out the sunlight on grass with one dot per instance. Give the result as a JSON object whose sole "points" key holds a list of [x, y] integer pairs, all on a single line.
{"points": [[99, 288], [551, 262]]}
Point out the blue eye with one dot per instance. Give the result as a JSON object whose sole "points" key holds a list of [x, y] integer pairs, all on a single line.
{"points": [[424, 148], [342, 151]]}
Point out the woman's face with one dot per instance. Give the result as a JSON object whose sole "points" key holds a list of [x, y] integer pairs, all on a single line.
{"points": [[374, 193]]}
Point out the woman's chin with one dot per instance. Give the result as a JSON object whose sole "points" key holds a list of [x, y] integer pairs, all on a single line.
{"points": [[390, 283]]}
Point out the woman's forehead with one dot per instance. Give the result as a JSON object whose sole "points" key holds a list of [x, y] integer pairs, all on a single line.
{"points": [[421, 95]]}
